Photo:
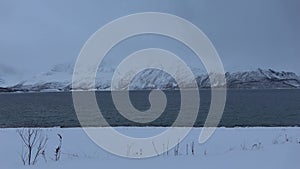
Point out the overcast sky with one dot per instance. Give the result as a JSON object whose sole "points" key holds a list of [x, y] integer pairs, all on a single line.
{"points": [[35, 34]]}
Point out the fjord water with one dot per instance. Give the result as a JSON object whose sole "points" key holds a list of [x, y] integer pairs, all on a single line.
{"points": [[243, 108]]}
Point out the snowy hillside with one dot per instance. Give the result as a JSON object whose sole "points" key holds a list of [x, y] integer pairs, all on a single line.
{"points": [[8, 80], [263, 79], [60, 76], [2, 81]]}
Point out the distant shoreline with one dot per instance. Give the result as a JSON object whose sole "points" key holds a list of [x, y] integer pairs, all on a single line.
{"points": [[146, 90]]}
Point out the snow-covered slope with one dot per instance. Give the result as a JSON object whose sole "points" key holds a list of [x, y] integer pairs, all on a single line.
{"points": [[263, 79], [2, 81], [55, 79], [60, 76], [154, 79], [7, 80]]}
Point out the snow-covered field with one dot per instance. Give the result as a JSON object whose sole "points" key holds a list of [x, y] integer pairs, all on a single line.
{"points": [[228, 148]]}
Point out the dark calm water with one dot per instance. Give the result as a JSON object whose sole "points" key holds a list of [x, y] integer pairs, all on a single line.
{"points": [[243, 108]]}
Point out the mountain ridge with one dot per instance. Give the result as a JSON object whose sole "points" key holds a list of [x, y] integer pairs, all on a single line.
{"points": [[59, 78]]}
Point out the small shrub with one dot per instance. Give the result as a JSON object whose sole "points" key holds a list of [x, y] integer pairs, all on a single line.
{"points": [[34, 145]]}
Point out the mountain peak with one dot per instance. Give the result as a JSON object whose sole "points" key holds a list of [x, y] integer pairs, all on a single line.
{"points": [[60, 76]]}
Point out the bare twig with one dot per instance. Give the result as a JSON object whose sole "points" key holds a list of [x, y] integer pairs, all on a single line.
{"points": [[58, 148], [155, 148]]}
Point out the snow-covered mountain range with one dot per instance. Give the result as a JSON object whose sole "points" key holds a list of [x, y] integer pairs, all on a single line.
{"points": [[59, 78]]}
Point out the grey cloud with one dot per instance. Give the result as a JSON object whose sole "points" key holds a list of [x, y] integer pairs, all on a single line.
{"points": [[35, 35]]}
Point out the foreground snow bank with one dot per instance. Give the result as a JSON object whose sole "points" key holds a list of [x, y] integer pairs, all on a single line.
{"points": [[228, 148]]}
